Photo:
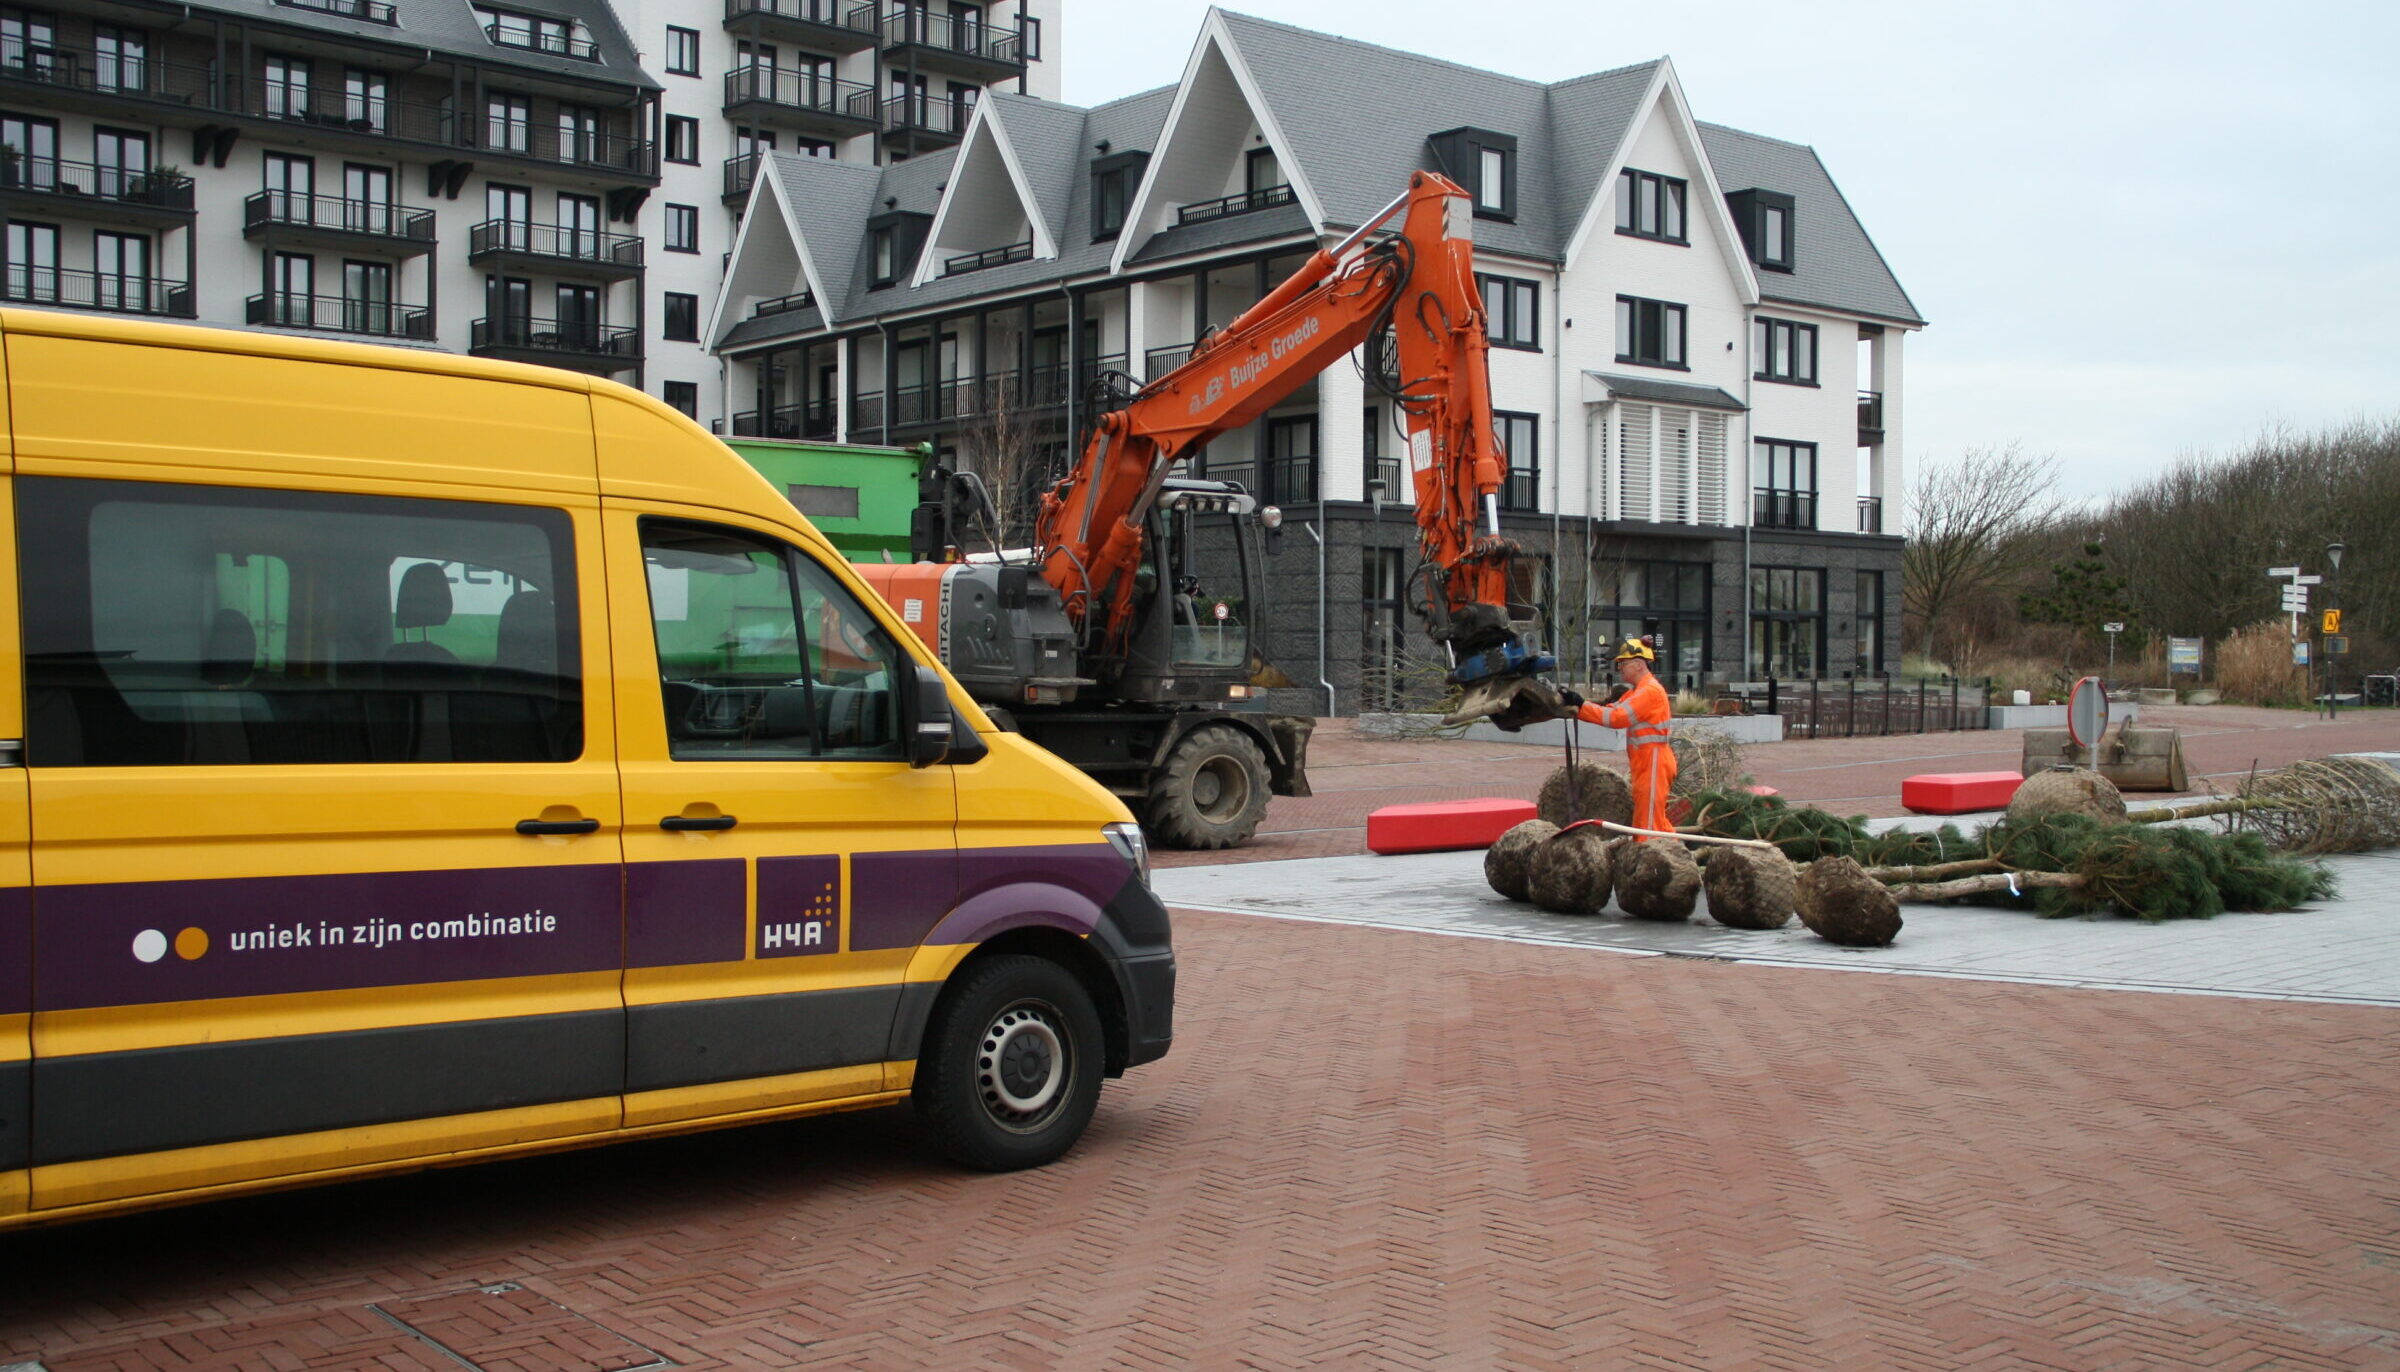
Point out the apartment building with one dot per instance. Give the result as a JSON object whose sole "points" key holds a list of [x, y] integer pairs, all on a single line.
{"points": [[1697, 350], [554, 181]]}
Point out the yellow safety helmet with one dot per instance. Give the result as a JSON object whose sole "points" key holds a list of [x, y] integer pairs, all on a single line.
{"points": [[1634, 647]]}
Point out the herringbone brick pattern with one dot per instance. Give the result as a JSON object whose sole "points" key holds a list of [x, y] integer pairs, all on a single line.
{"points": [[1376, 1149]]}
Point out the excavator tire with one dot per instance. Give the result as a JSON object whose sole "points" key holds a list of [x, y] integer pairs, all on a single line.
{"points": [[1210, 793]]}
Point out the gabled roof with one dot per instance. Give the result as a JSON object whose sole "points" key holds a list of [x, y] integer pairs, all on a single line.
{"points": [[1047, 138], [988, 191], [800, 232], [450, 27], [1836, 266]]}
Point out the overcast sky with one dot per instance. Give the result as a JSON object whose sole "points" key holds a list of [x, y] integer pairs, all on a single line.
{"points": [[2139, 230]]}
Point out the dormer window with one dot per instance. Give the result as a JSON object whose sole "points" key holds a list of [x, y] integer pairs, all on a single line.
{"points": [[1483, 162], [1650, 206], [1113, 180], [894, 239], [886, 257], [536, 33], [1768, 221]]}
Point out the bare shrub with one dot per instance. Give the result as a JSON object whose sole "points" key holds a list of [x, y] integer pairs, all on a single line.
{"points": [[2255, 667]]}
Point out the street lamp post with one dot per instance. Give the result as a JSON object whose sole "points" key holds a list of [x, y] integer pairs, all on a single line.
{"points": [[2333, 677]]}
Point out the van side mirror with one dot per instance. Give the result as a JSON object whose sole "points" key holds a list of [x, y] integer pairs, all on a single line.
{"points": [[929, 724]]}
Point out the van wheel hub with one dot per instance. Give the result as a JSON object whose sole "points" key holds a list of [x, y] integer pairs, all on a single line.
{"points": [[1021, 1069]]}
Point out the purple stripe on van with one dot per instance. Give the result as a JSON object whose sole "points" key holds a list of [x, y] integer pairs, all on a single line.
{"points": [[799, 906], [895, 898], [1092, 870], [680, 913], [16, 950], [136, 943]]}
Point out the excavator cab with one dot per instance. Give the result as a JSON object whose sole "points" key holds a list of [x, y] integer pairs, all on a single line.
{"points": [[1195, 595]]}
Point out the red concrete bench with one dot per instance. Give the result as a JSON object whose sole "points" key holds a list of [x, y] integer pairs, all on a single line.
{"points": [[1441, 826], [1959, 793]]}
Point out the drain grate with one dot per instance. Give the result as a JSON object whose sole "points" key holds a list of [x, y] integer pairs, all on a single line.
{"points": [[505, 1328]]}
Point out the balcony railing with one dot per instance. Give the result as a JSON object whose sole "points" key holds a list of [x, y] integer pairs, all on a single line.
{"points": [[989, 257], [51, 176], [537, 136], [741, 172], [1870, 418], [813, 420], [1249, 202], [800, 88], [372, 11], [550, 335], [1157, 362], [968, 36], [1772, 508], [784, 304], [833, 14], [925, 114], [1290, 481], [1522, 490], [866, 411], [1870, 514], [548, 42], [124, 293], [333, 213], [339, 314], [555, 242], [1387, 470]]}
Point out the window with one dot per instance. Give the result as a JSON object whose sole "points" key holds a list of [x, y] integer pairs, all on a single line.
{"points": [[35, 142], [1521, 440], [578, 317], [120, 58], [1649, 333], [1868, 613], [1491, 180], [1787, 622], [763, 655], [32, 262], [367, 198], [1108, 204], [291, 185], [1666, 602], [508, 123], [287, 87], [1397, 488], [1032, 48], [366, 99], [579, 226], [1381, 666], [221, 626], [684, 396], [1650, 206], [1783, 484], [1261, 172], [579, 136], [29, 43], [883, 252], [683, 51], [1767, 221], [1292, 460], [1774, 235], [121, 271], [683, 318], [683, 138], [1484, 162], [293, 299], [683, 228], [120, 160], [367, 298], [1786, 351], [510, 210], [1511, 311]]}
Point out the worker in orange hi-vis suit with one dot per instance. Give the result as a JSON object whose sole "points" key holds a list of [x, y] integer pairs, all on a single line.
{"points": [[1644, 715]]}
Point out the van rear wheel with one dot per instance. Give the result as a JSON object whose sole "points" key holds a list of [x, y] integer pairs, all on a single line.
{"points": [[1011, 1071]]}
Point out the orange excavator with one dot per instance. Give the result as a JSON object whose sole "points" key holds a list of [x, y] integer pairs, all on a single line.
{"points": [[1103, 642]]}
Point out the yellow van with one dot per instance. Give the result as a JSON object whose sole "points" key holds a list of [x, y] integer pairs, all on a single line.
{"points": [[416, 759]]}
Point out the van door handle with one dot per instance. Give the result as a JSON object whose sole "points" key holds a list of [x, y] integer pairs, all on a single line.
{"points": [[534, 827], [684, 823]]}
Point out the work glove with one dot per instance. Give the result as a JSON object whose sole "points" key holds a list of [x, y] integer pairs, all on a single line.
{"points": [[1568, 700]]}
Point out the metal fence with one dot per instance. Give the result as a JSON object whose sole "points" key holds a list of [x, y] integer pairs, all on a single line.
{"points": [[1860, 709]]}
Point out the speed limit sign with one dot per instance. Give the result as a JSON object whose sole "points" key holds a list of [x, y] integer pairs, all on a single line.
{"points": [[1222, 611]]}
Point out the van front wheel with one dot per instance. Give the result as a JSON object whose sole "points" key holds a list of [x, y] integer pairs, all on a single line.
{"points": [[1011, 1071]]}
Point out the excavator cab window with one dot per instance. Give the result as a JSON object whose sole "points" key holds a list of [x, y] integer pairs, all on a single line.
{"points": [[1207, 569]]}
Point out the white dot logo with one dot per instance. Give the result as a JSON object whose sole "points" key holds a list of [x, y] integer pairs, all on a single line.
{"points": [[149, 945]]}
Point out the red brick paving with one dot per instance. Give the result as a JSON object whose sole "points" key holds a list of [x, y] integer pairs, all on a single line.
{"points": [[1380, 1149], [1354, 773]]}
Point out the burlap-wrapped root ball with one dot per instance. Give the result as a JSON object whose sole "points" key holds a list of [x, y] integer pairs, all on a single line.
{"points": [[1505, 863], [1599, 794], [1569, 871], [1656, 880], [1841, 904], [2067, 791], [1750, 888]]}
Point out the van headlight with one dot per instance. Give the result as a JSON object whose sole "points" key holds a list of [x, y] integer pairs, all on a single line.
{"points": [[1127, 839]]}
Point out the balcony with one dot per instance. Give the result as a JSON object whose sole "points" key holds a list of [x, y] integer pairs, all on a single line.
{"points": [[559, 250], [369, 11], [315, 113], [546, 41], [1870, 514], [83, 189], [333, 222], [1249, 202], [866, 412], [573, 344], [837, 26], [968, 44], [784, 304], [1522, 490], [114, 292], [1157, 362], [1387, 471], [1773, 508], [1290, 481], [1870, 418], [989, 257], [810, 422], [924, 120], [740, 174], [802, 99], [338, 314]]}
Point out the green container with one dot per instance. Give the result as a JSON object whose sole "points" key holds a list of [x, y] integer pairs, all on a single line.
{"points": [[860, 498]]}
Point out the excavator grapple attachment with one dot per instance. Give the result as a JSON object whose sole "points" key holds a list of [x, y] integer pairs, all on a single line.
{"points": [[1509, 702]]}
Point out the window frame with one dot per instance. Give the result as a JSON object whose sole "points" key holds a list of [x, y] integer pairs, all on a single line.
{"points": [[1504, 330], [1764, 331], [1801, 499], [1521, 484], [1672, 191], [1631, 327], [689, 128], [682, 43], [682, 228], [666, 318], [672, 391]]}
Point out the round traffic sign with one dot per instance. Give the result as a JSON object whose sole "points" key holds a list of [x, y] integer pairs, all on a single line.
{"points": [[1223, 611], [2087, 712]]}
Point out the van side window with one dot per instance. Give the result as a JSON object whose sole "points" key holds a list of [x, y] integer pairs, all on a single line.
{"points": [[761, 652], [181, 625]]}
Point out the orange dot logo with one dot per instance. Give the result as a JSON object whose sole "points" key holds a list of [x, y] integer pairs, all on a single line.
{"points": [[191, 943]]}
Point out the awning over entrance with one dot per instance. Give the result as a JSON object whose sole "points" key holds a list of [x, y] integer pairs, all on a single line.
{"points": [[1599, 388]]}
